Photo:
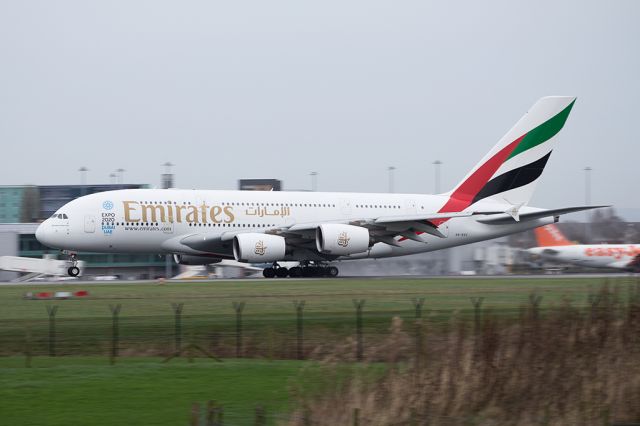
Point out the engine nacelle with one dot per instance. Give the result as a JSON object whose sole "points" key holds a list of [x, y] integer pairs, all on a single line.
{"points": [[258, 248], [340, 240], [189, 259]]}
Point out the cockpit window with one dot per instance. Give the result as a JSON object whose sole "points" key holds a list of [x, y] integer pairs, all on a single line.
{"points": [[64, 216]]}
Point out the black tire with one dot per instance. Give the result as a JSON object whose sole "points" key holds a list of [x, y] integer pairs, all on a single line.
{"points": [[268, 272], [73, 271], [333, 271], [308, 271], [295, 272], [282, 272]]}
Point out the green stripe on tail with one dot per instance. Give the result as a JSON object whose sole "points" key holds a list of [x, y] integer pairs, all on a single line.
{"points": [[543, 132]]}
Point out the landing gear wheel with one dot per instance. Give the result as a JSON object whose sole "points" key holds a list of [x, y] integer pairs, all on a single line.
{"points": [[282, 272], [295, 272], [269, 272], [332, 271], [73, 270]]}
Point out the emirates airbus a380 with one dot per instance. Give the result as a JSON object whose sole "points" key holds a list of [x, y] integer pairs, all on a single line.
{"points": [[316, 228]]}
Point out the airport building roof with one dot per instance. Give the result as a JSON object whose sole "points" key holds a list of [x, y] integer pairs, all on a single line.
{"points": [[19, 228], [30, 203]]}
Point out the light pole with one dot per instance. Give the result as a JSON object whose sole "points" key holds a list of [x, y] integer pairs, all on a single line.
{"points": [[167, 177], [83, 180], [587, 200], [83, 175], [112, 178], [391, 170], [437, 165], [314, 181], [121, 175]]}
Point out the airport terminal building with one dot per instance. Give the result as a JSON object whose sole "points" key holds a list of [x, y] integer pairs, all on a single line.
{"points": [[22, 208]]}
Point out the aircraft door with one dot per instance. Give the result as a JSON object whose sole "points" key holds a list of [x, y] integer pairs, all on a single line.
{"points": [[345, 207], [410, 207], [89, 223]]}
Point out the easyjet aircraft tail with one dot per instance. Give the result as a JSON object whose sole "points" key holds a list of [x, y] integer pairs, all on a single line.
{"points": [[509, 172], [550, 236]]}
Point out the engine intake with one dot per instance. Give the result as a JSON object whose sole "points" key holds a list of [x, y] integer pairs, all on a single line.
{"points": [[340, 240], [258, 248], [188, 259]]}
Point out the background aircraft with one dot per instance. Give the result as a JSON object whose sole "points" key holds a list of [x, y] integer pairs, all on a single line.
{"points": [[554, 246]]}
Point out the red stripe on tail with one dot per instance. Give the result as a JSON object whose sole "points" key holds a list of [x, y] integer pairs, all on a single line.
{"points": [[462, 197]]}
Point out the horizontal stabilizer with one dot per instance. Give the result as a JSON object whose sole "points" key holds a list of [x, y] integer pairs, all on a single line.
{"points": [[504, 219]]}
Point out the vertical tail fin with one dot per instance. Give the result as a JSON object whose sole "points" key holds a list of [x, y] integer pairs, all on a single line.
{"points": [[550, 235], [509, 172]]}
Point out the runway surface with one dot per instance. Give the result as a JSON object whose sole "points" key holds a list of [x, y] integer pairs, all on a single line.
{"points": [[353, 277]]}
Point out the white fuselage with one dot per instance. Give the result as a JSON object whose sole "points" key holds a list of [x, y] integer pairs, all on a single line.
{"points": [[156, 220], [617, 256]]}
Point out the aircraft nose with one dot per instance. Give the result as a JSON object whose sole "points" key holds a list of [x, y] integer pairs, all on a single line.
{"points": [[42, 233]]}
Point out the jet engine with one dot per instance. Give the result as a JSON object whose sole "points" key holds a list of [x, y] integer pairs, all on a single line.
{"points": [[258, 248], [340, 240], [188, 259]]}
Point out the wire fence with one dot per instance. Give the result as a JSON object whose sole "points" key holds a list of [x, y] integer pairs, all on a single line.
{"points": [[301, 333], [238, 333]]}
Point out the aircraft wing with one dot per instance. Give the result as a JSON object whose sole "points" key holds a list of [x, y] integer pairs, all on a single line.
{"points": [[506, 218], [381, 229]]}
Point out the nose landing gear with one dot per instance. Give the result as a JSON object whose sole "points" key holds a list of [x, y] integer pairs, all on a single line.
{"points": [[73, 270]]}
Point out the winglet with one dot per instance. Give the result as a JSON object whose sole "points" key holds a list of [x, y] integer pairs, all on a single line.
{"points": [[514, 211]]}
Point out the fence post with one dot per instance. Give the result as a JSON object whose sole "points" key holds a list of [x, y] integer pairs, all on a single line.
{"points": [[115, 332], [220, 419], [477, 303], [177, 309], [195, 414], [418, 303], [211, 412], [534, 301], [27, 345], [359, 304], [238, 307], [594, 301], [261, 417], [356, 417], [299, 305], [306, 417], [52, 310]]}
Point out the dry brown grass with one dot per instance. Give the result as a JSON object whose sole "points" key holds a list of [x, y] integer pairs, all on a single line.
{"points": [[561, 367]]}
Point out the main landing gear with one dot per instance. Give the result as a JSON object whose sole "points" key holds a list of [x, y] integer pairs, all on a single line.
{"points": [[73, 270], [306, 269]]}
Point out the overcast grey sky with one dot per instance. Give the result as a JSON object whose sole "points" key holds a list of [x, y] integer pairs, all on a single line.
{"points": [[227, 90]]}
